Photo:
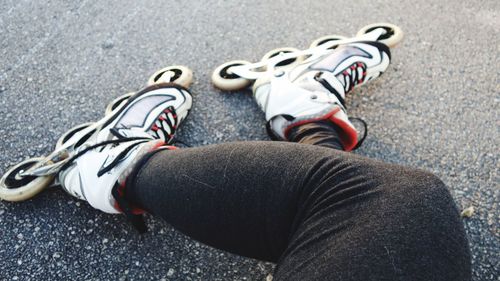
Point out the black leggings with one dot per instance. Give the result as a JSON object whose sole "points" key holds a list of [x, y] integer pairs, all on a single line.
{"points": [[319, 213]]}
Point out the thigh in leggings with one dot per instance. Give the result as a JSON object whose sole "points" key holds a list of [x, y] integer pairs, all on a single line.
{"points": [[319, 213]]}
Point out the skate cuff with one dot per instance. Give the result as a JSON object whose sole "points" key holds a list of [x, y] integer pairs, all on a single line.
{"points": [[122, 197], [348, 134]]}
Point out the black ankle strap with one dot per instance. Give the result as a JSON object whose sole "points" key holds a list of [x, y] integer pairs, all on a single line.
{"points": [[119, 192], [136, 220]]}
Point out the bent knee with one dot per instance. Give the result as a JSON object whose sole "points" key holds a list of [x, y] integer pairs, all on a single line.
{"points": [[433, 229], [413, 210], [424, 192], [415, 189], [404, 189]]}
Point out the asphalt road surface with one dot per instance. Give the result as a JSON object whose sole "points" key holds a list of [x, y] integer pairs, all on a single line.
{"points": [[436, 108]]}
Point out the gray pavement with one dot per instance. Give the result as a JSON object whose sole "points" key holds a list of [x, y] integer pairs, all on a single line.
{"points": [[436, 108]]}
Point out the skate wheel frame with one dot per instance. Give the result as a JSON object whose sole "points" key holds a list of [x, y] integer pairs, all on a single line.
{"points": [[16, 188], [117, 102], [284, 50], [392, 36], [224, 79], [70, 133], [177, 74], [244, 72], [325, 39]]}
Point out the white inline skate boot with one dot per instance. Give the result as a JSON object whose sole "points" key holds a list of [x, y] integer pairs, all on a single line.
{"points": [[239, 74], [315, 89], [95, 154], [102, 161], [101, 169]]}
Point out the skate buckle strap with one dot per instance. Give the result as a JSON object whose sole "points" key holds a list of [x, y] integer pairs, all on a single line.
{"points": [[287, 99], [350, 77], [69, 161], [318, 77]]}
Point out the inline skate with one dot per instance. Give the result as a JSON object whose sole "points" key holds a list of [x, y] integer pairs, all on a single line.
{"points": [[239, 74], [314, 90], [152, 113]]}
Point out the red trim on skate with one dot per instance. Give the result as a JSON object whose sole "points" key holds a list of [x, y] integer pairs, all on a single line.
{"points": [[135, 210], [121, 189], [349, 138]]}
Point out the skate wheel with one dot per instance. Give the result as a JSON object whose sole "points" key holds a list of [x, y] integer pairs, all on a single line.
{"points": [[117, 102], [71, 132], [224, 79], [393, 34], [13, 187], [285, 50], [177, 74], [325, 39]]}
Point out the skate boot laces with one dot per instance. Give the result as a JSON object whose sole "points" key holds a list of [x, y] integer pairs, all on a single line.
{"points": [[350, 77], [165, 125], [163, 128], [353, 76], [102, 144]]}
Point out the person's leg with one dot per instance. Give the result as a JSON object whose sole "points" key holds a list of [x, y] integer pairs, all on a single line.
{"points": [[320, 133], [321, 214]]}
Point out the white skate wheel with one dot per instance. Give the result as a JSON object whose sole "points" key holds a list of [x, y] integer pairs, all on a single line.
{"points": [[177, 74], [325, 39], [71, 132], [393, 34], [16, 188], [117, 102], [224, 79], [285, 50]]}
